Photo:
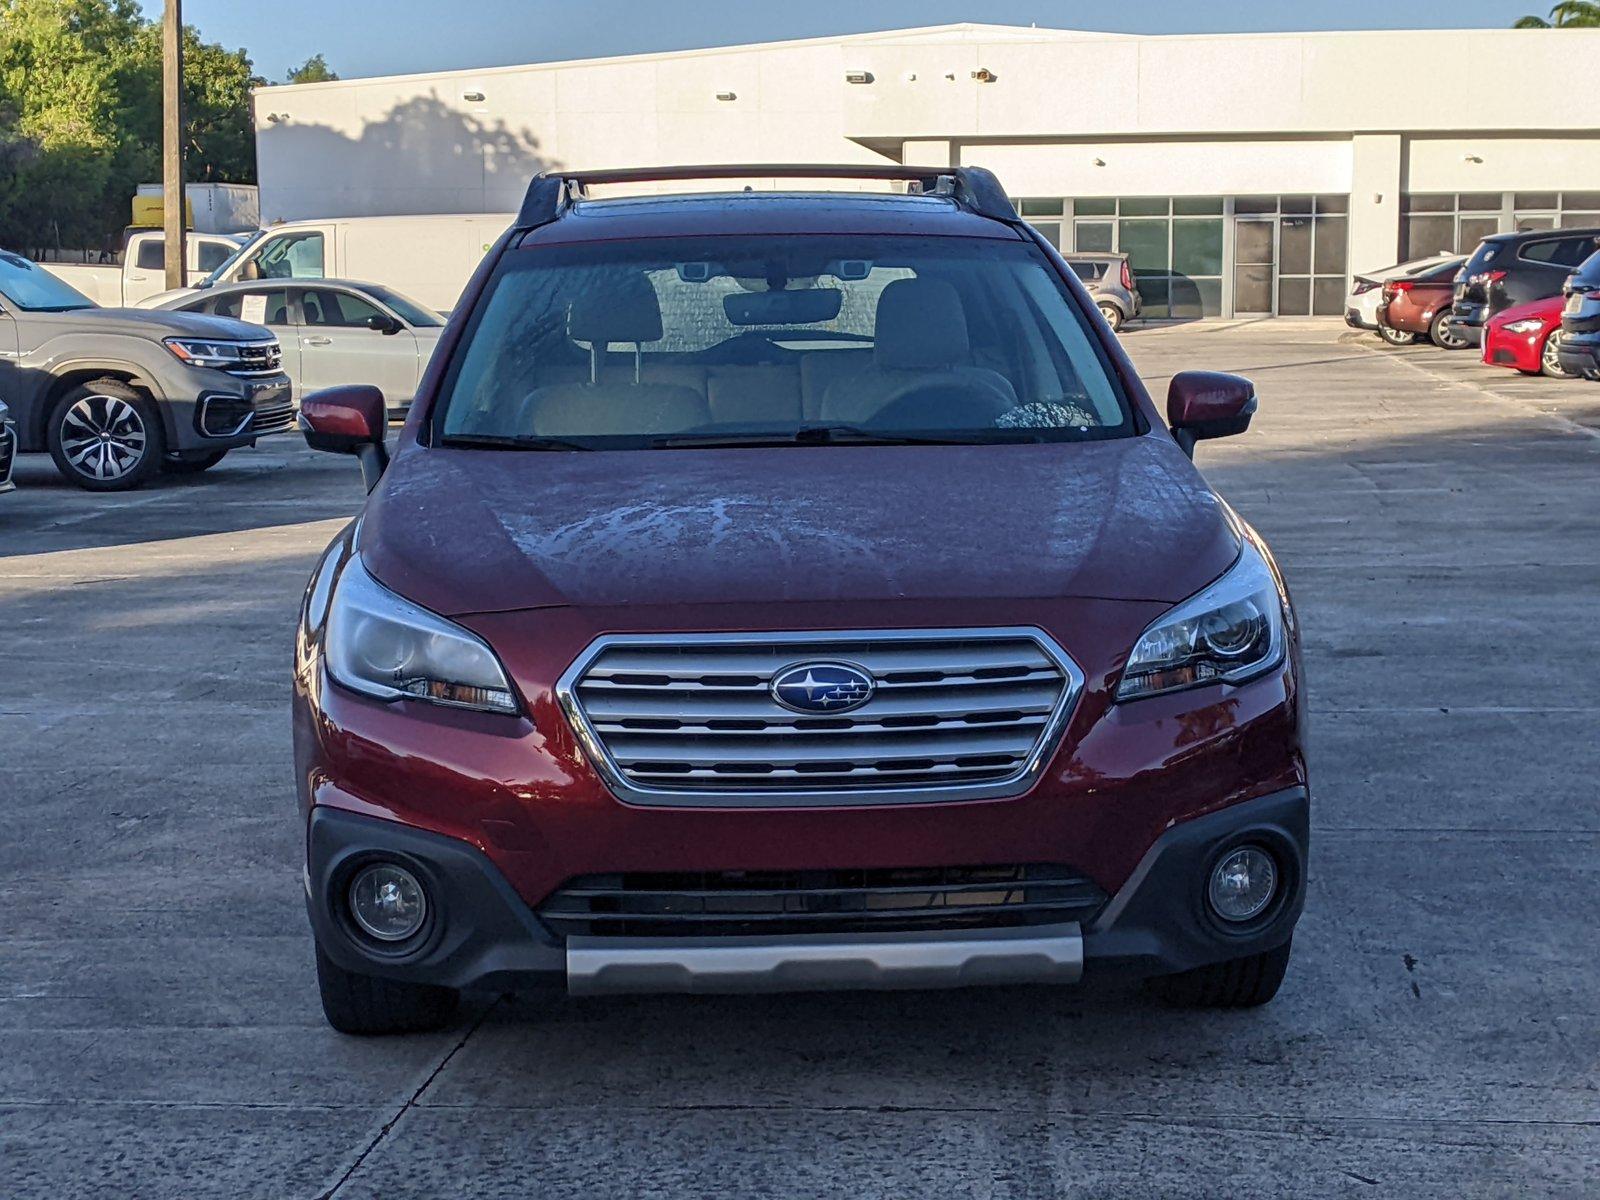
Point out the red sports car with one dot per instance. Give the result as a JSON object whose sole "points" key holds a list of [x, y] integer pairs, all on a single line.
{"points": [[1527, 338]]}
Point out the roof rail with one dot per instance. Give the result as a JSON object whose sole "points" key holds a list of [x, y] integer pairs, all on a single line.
{"points": [[973, 188]]}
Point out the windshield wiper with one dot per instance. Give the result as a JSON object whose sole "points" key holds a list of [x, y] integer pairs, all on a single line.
{"points": [[506, 441], [807, 435]]}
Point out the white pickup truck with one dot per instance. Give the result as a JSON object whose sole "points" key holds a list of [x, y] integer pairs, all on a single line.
{"points": [[143, 270]]}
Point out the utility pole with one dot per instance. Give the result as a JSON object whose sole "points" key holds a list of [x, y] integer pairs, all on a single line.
{"points": [[172, 141]]}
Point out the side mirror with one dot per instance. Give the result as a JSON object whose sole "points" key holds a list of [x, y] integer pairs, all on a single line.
{"points": [[350, 419], [382, 323], [1208, 404]]}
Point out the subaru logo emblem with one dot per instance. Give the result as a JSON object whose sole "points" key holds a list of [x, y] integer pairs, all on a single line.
{"points": [[822, 687]]}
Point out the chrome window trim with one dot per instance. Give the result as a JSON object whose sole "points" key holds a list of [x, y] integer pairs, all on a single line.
{"points": [[995, 789]]}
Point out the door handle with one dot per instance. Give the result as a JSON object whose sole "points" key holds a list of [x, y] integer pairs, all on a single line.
{"points": [[316, 341]]}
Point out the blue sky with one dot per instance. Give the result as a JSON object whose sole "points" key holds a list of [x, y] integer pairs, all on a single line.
{"points": [[394, 36]]}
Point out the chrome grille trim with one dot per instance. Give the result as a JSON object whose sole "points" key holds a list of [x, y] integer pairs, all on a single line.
{"points": [[686, 719]]}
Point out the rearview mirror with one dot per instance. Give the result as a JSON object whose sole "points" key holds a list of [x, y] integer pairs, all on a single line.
{"points": [[804, 306], [350, 419], [1208, 404], [383, 323]]}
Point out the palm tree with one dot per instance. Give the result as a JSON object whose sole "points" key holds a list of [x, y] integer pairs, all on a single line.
{"points": [[1569, 14]]}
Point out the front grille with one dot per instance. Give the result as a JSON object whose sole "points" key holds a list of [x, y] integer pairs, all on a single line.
{"points": [[692, 718], [274, 417], [777, 903], [258, 358]]}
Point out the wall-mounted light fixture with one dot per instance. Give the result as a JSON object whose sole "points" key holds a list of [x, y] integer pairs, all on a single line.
{"points": [[726, 96], [472, 97], [984, 75], [1472, 158], [1099, 162], [1377, 197], [858, 76], [274, 118]]}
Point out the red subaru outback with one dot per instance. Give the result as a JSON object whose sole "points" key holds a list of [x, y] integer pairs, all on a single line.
{"points": [[791, 590]]}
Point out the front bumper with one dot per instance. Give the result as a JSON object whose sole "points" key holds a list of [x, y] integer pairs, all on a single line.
{"points": [[483, 935], [229, 411]]}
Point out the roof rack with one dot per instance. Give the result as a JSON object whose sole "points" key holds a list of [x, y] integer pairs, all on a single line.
{"points": [[973, 188]]}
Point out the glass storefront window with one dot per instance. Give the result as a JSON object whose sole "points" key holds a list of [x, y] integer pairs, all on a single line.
{"points": [[1144, 206], [1098, 236], [1093, 207], [1203, 206]]}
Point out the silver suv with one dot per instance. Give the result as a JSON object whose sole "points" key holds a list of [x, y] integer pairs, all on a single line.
{"points": [[1109, 278], [117, 394]]}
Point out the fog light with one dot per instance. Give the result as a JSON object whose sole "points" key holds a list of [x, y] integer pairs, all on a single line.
{"points": [[388, 902], [1243, 884]]}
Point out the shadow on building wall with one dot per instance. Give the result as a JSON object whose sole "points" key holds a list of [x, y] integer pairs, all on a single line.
{"points": [[422, 157]]}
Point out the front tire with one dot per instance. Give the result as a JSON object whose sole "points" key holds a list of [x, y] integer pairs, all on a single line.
{"points": [[1113, 316], [1550, 358], [1444, 334], [1396, 337], [366, 1005], [106, 436], [1238, 983]]}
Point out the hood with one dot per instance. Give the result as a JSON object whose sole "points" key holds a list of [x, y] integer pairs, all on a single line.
{"points": [[1547, 309], [463, 531], [154, 323]]}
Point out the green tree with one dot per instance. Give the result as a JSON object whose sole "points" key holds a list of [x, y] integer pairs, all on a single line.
{"points": [[1570, 14], [314, 70], [80, 118]]}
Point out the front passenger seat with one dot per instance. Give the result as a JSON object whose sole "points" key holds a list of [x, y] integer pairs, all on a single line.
{"points": [[920, 339]]}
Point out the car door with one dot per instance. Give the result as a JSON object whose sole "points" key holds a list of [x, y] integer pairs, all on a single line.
{"points": [[269, 306], [337, 345], [144, 267]]}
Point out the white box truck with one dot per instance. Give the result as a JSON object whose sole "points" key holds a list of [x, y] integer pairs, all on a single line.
{"points": [[426, 257]]}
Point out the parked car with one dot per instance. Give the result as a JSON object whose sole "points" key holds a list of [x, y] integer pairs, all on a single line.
{"points": [[8, 448], [1527, 338], [1366, 292], [116, 394], [142, 270], [429, 257], [1579, 352], [1513, 268], [335, 331], [795, 590], [1417, 304], [1109, 278]]}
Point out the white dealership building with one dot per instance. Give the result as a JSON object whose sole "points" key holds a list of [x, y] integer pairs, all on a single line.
{"points": [[1244, 174]]}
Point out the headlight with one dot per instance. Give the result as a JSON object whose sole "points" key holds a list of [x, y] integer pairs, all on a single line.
{"points": [[198, 352], [383, 645], [1526, 325], [1228, 633]]}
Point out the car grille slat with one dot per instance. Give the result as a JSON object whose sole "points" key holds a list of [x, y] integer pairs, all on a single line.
{"points": [[730, 903], [668, 717]]}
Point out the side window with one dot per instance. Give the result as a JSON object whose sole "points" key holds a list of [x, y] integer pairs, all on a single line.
{"points": [[212, 255], [291, 256], [259, 308], [323, 306], [1573, 251], [1549, 252], [151, 255]]}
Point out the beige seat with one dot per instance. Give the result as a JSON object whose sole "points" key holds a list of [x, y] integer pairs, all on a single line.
{"points": [[920, 345], [612, 400]]}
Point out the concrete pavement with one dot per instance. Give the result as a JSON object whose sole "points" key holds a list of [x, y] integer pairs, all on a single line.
{"points": [[1438, 1035]]}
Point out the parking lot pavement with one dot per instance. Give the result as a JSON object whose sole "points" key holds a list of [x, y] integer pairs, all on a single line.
{"points": [[1438, 1033]]}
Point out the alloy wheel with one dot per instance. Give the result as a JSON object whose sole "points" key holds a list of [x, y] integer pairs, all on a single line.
{"points": [[1447, 335], [103, 437], [1550, 356]]}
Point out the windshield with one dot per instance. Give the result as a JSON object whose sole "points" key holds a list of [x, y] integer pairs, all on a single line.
{"points": [[699, 339], [222, 267], [412, 312], [33, 289]]}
